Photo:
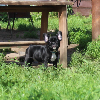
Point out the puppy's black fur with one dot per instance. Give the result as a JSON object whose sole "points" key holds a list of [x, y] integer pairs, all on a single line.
{"points": [[45, 54]]}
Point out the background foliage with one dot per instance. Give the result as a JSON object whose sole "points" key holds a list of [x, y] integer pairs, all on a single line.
{"points": [[3, 16], [20, 83]]}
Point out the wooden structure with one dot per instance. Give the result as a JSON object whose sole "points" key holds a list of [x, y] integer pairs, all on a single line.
{"points": [[44, 6], [84, 7], [21, 43], [95, 19]]}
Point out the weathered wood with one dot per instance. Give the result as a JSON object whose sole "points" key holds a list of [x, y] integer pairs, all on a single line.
{"points": [[21, 43], [64, 42], [34, 2], [29, 8], [95, 19], [19, 15], [85, 7], [44, 24]]}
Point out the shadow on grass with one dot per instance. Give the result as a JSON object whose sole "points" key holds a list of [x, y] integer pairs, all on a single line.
{"points": [[31, 31], [24, 27]]}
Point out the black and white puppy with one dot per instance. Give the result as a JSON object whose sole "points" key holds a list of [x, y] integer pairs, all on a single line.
{"points": [[45, 54]]}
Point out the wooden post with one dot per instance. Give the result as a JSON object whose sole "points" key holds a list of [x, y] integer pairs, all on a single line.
{"points": [[95, 19], [64, 42], [44, 24]]}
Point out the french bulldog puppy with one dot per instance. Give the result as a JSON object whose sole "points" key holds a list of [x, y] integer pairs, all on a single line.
{"points": [[45, 54]]}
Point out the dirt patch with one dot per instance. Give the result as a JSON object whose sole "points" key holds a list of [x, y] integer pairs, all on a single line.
{"points": [[15, 35]]}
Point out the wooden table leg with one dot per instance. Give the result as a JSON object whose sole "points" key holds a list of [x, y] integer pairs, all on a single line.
{"points": [[64, 42], [44, 24]]}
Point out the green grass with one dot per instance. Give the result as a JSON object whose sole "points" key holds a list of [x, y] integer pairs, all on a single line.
{"points": [[31, 30], [81, 81], [25, 25], [17, 83]]}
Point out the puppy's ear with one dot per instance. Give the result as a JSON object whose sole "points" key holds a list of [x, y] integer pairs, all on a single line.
{"points": [[59, 35], [45, 37]]}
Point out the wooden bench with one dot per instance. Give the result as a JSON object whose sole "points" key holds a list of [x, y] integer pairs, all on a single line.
{"points": [[44, 6]]}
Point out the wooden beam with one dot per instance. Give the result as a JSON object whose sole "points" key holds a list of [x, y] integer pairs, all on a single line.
{"points": [[28, 8], [19, 43], [44, 24], [34, 2], [95, 19], [64, 42]]}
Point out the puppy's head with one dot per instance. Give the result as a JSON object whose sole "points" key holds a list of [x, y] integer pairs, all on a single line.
{"points": [[53, 42]]}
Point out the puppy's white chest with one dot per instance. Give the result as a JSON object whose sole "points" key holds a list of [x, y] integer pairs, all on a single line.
{"points": [[53, 57]]}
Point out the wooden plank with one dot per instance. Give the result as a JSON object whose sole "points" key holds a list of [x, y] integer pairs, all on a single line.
{"points": [[95, 19], [84, 11], [44, 24], [34, 2], [19, 15], [84, 3], [85, 7], [64, 42], [28, 8], [21, 43]]}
